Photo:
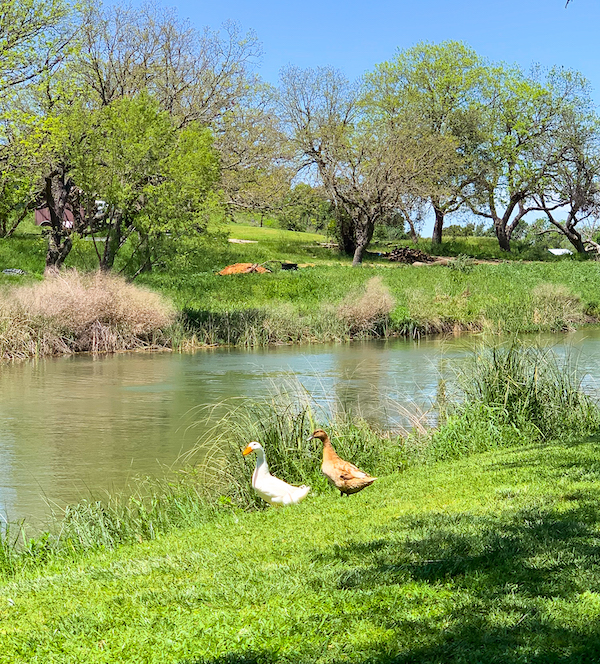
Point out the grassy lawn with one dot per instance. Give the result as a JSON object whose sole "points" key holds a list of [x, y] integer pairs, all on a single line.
{"points": [[493, 558]]}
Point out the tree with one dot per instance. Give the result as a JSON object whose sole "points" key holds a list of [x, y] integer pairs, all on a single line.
{"points": [[256, 160], [304, 206], [33, 38], [574, 185], [153, 178], [138, 93], [440, 87], [364, 166], [194, 76], [19, 189], [524, 142]]}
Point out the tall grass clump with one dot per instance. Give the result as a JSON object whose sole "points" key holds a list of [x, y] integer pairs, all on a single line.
{"points": [[283, 425], [8, 550], [151, 508], [72, 312], [368, 313], [556, 307], [280, 323], [515, 394]]}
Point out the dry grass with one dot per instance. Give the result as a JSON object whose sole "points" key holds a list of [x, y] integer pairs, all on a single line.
{"points": [[555, 306], [72, 312], [368, 312]]}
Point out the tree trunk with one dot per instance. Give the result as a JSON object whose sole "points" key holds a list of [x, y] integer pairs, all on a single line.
{"points": [[363, 229], [412, 231], [575, 239], [503, 239], [112, 244], [436, 237], [358, 255], [346, 233], [59, 247], [57, 191]]}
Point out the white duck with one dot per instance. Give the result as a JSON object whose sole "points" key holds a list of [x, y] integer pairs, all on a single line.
{"points": [[270, 488]]}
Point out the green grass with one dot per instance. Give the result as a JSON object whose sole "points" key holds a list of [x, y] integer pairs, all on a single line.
{"points": [[487, 559], [303, 305]]}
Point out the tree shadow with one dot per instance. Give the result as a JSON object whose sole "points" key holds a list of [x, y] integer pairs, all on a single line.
{"points": [[471, 588], [514, 563]]}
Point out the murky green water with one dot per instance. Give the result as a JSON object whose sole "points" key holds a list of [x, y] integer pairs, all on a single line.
{"points": [[75, 427]]}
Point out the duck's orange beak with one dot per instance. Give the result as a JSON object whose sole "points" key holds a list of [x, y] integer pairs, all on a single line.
{"points": [[247, 450]]}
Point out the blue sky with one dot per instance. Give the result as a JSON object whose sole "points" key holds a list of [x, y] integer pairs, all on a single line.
{"points": [[354, 36]]}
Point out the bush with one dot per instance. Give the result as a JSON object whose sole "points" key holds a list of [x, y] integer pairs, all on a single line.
{"points": [[367, 313], [70, 312], [536, 391]]}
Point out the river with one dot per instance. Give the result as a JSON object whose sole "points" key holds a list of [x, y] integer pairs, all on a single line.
{"points": [[76, 427]]}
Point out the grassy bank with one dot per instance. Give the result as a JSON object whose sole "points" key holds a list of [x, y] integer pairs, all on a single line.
{"points": [[327, 300], [477, 544], [487, 559]]}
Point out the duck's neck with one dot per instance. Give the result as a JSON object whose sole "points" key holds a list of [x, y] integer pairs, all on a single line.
{"points": [[261, 468], [328, 451]]}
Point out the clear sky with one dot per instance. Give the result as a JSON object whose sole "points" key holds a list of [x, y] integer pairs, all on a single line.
{"points": [[355, 35]]}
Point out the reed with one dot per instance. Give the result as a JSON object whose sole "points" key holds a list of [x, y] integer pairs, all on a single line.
{"points": [[283, 425], [513, 394]]}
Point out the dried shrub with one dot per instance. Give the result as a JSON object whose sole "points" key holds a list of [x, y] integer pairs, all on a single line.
{"points": [[368, 312], [556, 307], [71, 312]]}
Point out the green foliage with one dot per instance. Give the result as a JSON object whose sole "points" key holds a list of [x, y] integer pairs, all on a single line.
{"points": [[462, 263], [32, 36], [536, 391], [472, 428], [306, 209]]}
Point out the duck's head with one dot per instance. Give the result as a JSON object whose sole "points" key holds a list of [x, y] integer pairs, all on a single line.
{"points": [[251, 447], [320, 434]]}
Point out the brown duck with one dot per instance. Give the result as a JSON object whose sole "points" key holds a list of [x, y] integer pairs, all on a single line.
{"points": [[341, 474]]}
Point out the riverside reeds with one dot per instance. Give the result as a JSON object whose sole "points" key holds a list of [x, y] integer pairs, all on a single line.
{"points": [[512, 394], [283, 426]]}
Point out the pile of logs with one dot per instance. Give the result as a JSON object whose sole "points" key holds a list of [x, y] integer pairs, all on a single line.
{"points": [[408, 255]]}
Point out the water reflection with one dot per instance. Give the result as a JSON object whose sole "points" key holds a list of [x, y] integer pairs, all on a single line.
{"points": [[71, 427]]}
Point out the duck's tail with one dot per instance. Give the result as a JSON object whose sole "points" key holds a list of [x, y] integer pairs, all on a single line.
{"points": [[300, 493]]}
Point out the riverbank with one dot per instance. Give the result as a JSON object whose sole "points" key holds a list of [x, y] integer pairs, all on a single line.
{"points": [[490, 558], [323, 300], [477, 541]]}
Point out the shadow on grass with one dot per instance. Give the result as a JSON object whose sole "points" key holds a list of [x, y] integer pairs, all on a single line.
{"points": [[518, 586], [504, 572], [508, 589], [250, 657]]}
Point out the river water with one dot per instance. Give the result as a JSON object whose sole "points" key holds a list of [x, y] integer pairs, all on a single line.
{"points": [[75, 427]]}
